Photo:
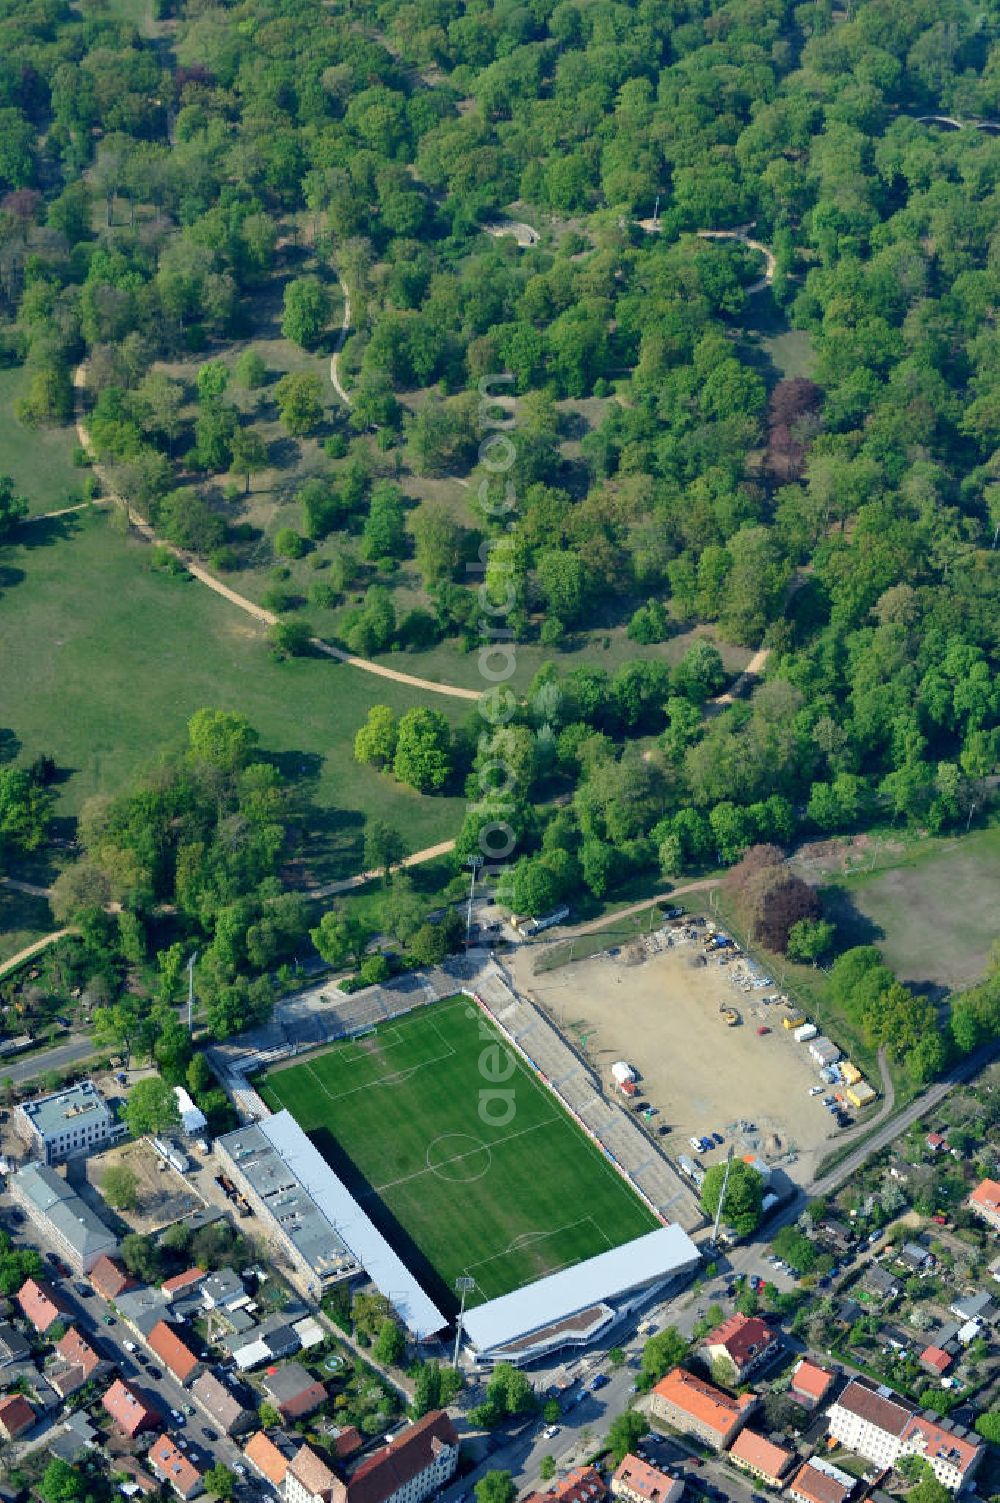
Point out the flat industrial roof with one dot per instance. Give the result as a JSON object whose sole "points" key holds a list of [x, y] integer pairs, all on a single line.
{"points": [[350, 1224], [80, 1105], [657, 1255]]}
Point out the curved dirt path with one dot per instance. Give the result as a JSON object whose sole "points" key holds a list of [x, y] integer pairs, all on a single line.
{"points": [[743, 237], [32, 949], [28, 888], [341, 341], [265, 617], [348, 884], [50, 516], [753, 669]]}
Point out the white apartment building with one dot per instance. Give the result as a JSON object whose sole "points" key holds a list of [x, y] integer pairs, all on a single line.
{"points": [[68, 1123], [876, 1423]]}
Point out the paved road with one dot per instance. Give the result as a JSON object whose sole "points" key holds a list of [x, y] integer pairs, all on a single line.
{"points": [[77, 1047], [88, 1316]]}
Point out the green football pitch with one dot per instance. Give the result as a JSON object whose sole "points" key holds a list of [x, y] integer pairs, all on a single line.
{"points": [[504, 1188]]}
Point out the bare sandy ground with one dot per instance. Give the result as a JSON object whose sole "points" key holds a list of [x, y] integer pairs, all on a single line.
{"points": [[662, 1016]]}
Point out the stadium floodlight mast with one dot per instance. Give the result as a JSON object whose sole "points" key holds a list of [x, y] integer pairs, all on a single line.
{"points": [[190, 970], [475, 862], [463, 1286], [722, 1197]]}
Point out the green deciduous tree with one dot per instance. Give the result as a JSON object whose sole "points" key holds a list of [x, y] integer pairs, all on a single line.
{"points": [[625, 1433], [151, 1107], [744, 1194], [120, 1187], [299, 396], [423, 757], [306, 311]]}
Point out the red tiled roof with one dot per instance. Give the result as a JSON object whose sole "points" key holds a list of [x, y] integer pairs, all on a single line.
{"points": [[811, 1379], [181, 1281], [639, 1477], [818, 1487], [348, 1442], [42, 1304], [73, 1348], [171, 1350], [987, 1195], [753, 1450], [403, 1459], [309, 1468], [266, 1457], [937, 1441], [128, 1408], [16, 1415], [935, 1140], [170, 1463], [583, 1484], [742, 1336], [109, 1278], [933, 1356], [703, 1402]]}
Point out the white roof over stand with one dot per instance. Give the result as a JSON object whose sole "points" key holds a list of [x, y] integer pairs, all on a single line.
{"points": [[657, 1255], [416, 1309]]}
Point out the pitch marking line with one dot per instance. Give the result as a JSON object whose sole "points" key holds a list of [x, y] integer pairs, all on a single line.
{"points": [[404, 1179], [529, 1239]]}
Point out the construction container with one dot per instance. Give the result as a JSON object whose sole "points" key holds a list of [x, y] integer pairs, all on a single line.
{"points": [[860, 1094], [806, 1032], [622, 1073], [849, 1073], [824, 1051], [793, 1022]]}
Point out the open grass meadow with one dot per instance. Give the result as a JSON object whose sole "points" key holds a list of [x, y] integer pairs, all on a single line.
{"points": [[401, 1117], [933, 913], [105, 659], [40, 460]]}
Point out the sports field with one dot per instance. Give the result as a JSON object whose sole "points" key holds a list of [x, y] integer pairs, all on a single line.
{"points": [[504, 1188]]}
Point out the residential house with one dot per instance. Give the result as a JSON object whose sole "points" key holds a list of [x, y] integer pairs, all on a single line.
{"points": [[223, 1290], [810, 1384], [760, 1457], [880, 1282], [837, 1234], [77, 1364], [935, 1359], [745, 1341], [936, 1142], [164, 1342], [170, 1464], [16, 1416], [73, 1438], [915, 1258], [346, 1442], [636, 1481], [974, 1307], [984, 1202], [13, 1346], [130, 1410], [698, 1408], [293, 1391], [583, 1484], [268, 1342], [184, 1283], [74, 1121], [309, 1479], [308, 1330], [879, 1425], [109, 1277], [144, 1483], [816, 1481], [416, 1465], [42, 1304], [266, 1458], [141, 1309], [224, 1406]]}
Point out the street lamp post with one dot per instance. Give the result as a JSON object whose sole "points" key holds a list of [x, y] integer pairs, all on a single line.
{"points": [[463, 1286], [190, 971], [475, 862]]}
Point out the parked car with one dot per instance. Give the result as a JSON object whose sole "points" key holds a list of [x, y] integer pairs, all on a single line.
{"points": [[600, 1381], [550, 1430], [762, 1030], [154, 1372], [718, 1139], [815, 1090]]}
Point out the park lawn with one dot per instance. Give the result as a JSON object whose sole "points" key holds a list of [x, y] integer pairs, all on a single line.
{"points": [[105, 660], [397, 1115], [933, 913], [40, 460], [23, 919]]}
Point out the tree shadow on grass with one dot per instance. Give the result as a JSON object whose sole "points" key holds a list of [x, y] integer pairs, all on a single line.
{"points": [[400, 1240], [47, 531], [853, 926]]}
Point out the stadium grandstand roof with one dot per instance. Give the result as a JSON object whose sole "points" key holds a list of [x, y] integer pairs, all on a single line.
{"points": [[348, 1222], [648, 1259]]}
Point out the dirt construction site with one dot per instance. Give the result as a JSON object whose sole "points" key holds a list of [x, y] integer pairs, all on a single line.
{"points": [[657, 1004]]}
